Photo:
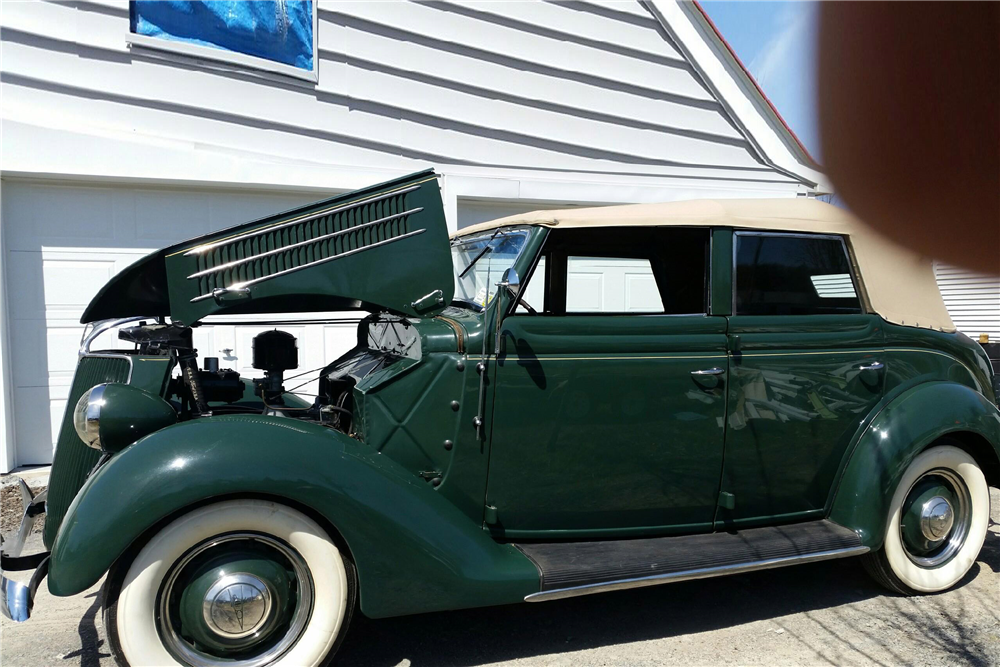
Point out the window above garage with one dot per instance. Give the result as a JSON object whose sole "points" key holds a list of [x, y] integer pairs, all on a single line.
{"points": [[270, 35]]}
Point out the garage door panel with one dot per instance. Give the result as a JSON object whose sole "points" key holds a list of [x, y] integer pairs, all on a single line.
{"points": [[46, 352], [25, 292], [38, 417], [162, 217], [337, 338], [232, 209], [70, 284], [641, 293], [29, 361], [85, 215]]}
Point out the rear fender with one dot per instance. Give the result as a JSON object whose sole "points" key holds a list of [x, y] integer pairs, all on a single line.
{"points": [[911, 423], [414, 551]]}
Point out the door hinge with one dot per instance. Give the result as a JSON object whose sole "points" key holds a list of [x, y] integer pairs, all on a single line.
{"points": [[490, 515], [727, 500]]}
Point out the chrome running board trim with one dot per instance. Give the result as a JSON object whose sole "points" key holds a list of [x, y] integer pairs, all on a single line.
{"points": [[688, 575]]}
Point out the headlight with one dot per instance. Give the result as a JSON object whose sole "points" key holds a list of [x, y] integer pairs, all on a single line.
{"points": [[87, 416], [110, 417]]}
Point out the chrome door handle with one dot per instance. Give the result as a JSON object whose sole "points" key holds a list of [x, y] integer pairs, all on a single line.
{"points": [[873, 366], [708, 371]]}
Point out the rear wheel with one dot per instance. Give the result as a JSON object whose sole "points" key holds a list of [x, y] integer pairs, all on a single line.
{"points": [[937, 523], [242, 583]]}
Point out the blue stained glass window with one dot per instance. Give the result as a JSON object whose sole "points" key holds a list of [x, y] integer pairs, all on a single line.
{"points": [[277, 30]]}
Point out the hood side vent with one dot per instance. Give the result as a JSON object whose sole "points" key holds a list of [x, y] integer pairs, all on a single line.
{"points": [[239, 262]]}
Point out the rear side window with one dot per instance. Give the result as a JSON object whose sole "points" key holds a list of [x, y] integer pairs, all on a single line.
{"points": [[780, 274]]}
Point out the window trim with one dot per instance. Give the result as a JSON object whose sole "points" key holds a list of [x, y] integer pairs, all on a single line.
{"points": [[855, 281], [217, 57]]}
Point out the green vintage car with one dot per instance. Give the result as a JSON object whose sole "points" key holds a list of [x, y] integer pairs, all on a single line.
{"points": [[548, 405]]}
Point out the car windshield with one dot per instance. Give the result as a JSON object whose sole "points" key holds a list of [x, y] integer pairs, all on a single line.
{"points": [[480, 261]]}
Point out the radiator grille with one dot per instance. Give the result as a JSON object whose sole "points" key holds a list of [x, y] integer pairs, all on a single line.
{"points": [[73, 459], [307, 240]]}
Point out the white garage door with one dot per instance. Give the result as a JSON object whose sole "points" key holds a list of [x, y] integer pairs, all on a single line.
{"points": [[64, 242]]}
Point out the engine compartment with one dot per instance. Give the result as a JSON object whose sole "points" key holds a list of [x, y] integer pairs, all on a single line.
{"points": [[205, 389]]}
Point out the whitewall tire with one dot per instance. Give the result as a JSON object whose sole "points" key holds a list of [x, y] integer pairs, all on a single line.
{"points": [[244, 583], [937, 522]]}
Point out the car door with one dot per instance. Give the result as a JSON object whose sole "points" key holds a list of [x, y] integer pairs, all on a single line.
{"points": [[609, 398], [805, 368]]}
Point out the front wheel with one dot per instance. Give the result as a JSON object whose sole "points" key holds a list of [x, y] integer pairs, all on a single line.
{"points": [[936, 526], [241, 583]]}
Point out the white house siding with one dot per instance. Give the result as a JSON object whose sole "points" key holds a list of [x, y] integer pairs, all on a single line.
{"points": [[110, 152], [973, 300]]}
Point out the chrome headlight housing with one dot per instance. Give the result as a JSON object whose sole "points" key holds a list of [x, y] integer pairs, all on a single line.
{"points": [[110, 417], [87, 416]]}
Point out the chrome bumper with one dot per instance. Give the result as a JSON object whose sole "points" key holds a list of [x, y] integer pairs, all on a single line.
{"points": [[16, 599]]}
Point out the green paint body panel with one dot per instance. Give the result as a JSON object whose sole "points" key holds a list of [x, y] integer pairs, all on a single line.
{"points": [[308, 259], [911, 422], [796, 398], [599, 426], [414, 550]]}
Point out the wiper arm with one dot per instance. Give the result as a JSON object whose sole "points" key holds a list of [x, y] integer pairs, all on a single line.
{"points": [[487, 248]]}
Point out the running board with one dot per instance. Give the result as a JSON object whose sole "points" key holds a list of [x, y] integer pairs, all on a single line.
{"points": [[568, 569]]}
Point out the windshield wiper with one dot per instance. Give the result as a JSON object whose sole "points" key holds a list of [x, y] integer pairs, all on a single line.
{"points": [[487, 248]]}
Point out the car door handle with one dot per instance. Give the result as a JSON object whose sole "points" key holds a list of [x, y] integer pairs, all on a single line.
{"points": [[708, 371], [873, 366]]}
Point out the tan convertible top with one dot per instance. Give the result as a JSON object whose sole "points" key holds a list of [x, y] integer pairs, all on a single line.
{"points": [[899, 284]]}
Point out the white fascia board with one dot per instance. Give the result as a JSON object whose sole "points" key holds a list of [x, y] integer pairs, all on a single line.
{"points": [[685, 23]]}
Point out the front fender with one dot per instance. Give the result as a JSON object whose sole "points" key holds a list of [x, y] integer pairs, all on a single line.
{"points": [[414, 551], [904, 428]]}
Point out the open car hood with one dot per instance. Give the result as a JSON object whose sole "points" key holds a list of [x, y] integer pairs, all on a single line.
{"points": [[380, 248]]}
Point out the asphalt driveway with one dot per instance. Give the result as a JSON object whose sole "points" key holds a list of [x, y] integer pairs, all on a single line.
{"points": [[818, 614]]}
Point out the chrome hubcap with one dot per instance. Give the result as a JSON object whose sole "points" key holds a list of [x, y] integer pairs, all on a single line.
{"points": [[237, 605], [936, 518], [236, 600]]}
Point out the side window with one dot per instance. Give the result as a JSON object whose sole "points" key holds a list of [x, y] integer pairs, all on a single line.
{"points": [[779, 274], [620, 270], [611, 285]]}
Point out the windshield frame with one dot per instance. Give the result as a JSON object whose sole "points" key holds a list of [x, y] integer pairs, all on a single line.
{"points": [[491, 237]]}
